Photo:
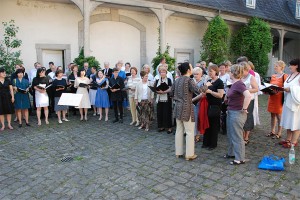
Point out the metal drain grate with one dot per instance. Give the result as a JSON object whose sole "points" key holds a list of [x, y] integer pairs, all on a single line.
{"points": [[67, 159]]}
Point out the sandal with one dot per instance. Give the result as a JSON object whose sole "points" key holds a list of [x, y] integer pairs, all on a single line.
{"points": [[289, 145], [276, 136], [236, 162], [197, 138], [247, 142], [282, 142], [271, 134]]}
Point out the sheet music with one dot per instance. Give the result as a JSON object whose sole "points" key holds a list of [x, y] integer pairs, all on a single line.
{"points": [[69, 99]]}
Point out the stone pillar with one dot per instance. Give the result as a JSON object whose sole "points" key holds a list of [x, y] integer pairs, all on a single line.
{"points": [[162, 16], [86, 27], [282, 33]]}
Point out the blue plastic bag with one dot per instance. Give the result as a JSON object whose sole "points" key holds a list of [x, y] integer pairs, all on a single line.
{"points": [[272, 162]]}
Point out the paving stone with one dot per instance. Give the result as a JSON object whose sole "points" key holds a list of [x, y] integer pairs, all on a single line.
{"points": [[118, 161]]}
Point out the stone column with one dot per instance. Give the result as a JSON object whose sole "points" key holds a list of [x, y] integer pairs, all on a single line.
{"points": [[86, 27], [282, 33], [162, 16]]}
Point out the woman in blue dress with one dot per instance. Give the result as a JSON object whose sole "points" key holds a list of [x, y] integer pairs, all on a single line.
{"points": [[102, 100], [22, 103]]}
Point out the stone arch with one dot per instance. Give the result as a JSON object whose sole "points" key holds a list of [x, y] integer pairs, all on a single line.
{"points": [[114, 16]]}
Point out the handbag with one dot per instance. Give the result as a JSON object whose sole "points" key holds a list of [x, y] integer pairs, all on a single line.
{"points": [[214, 111], [272, 162]]}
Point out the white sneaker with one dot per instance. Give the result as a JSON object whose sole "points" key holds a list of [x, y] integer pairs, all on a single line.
{"points": [[137, 124], [66, 120], [59, 121], [94, 114]]}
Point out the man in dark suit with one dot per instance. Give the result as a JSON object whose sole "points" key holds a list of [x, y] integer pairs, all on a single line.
{"points": [[107, 71], [88, 71]]}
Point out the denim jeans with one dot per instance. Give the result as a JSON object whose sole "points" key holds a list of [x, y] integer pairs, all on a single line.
{"points": [[235, 122]]}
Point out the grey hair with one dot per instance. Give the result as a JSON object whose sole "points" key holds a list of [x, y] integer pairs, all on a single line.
{"points": [[197, 69]]}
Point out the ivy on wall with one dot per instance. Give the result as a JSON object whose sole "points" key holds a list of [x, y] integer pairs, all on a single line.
{"points": [[254, 40], [215, 41], [169, 60]]}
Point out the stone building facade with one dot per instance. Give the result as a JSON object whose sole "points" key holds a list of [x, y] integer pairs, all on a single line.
{"points": [[112, 30]]}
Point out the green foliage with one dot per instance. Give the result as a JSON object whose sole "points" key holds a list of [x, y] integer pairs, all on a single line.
{"points": [[81, 59], [254, 40], [215, 41], [169, 60], [9, 57]]}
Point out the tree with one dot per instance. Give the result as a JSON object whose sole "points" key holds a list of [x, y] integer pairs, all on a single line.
{"points": [[9, 57], [80, 60], [254, 40], [169, 60], [215, 41]]}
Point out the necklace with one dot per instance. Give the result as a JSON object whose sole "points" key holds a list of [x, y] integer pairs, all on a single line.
{"points": [[288, 80]]}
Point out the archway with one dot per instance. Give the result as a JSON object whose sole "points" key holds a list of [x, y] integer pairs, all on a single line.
{"points": [[114, 16]]}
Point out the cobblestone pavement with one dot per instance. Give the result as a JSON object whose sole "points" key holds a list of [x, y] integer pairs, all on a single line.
{"points": [[118, 161]]}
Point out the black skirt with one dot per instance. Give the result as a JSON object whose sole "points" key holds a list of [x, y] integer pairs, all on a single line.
{"points": [[164, 114], [249, 124], [6, 106]]}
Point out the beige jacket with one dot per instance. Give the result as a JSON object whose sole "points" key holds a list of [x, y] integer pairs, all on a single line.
{"points": [[139, 92]]}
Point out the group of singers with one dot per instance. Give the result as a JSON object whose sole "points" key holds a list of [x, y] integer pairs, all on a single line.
{"points": [[211, 90]]}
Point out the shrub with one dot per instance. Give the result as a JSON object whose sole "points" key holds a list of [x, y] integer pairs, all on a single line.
{"points": [[80, 60], [254, 40], [9, 57], [215, 41]]}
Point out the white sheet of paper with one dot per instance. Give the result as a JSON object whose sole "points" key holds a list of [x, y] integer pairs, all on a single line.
{"points": [[69, 99]]}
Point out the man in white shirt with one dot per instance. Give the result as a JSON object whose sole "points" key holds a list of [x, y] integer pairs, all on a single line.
{"points": [[33, 71], [52, 73]]}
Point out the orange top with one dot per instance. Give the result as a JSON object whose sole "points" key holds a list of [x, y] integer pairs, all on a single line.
{"points": [[275, 100]]}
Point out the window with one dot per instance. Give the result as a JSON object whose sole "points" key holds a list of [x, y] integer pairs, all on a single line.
{"points": [[250, 3], [298, 9]]}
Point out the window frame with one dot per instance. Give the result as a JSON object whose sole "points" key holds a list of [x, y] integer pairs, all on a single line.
{"points": [[297, 13], [251, 5]]}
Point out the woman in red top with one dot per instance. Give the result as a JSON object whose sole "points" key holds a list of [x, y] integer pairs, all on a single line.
{"points": [[275, 101]]}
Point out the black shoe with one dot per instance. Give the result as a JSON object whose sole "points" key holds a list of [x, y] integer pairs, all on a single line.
{"points": [[161, 130], [211, 148], [228, 156], [27, 124], [20, 125], [169, 131], [116, 120], [121, 121]]}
